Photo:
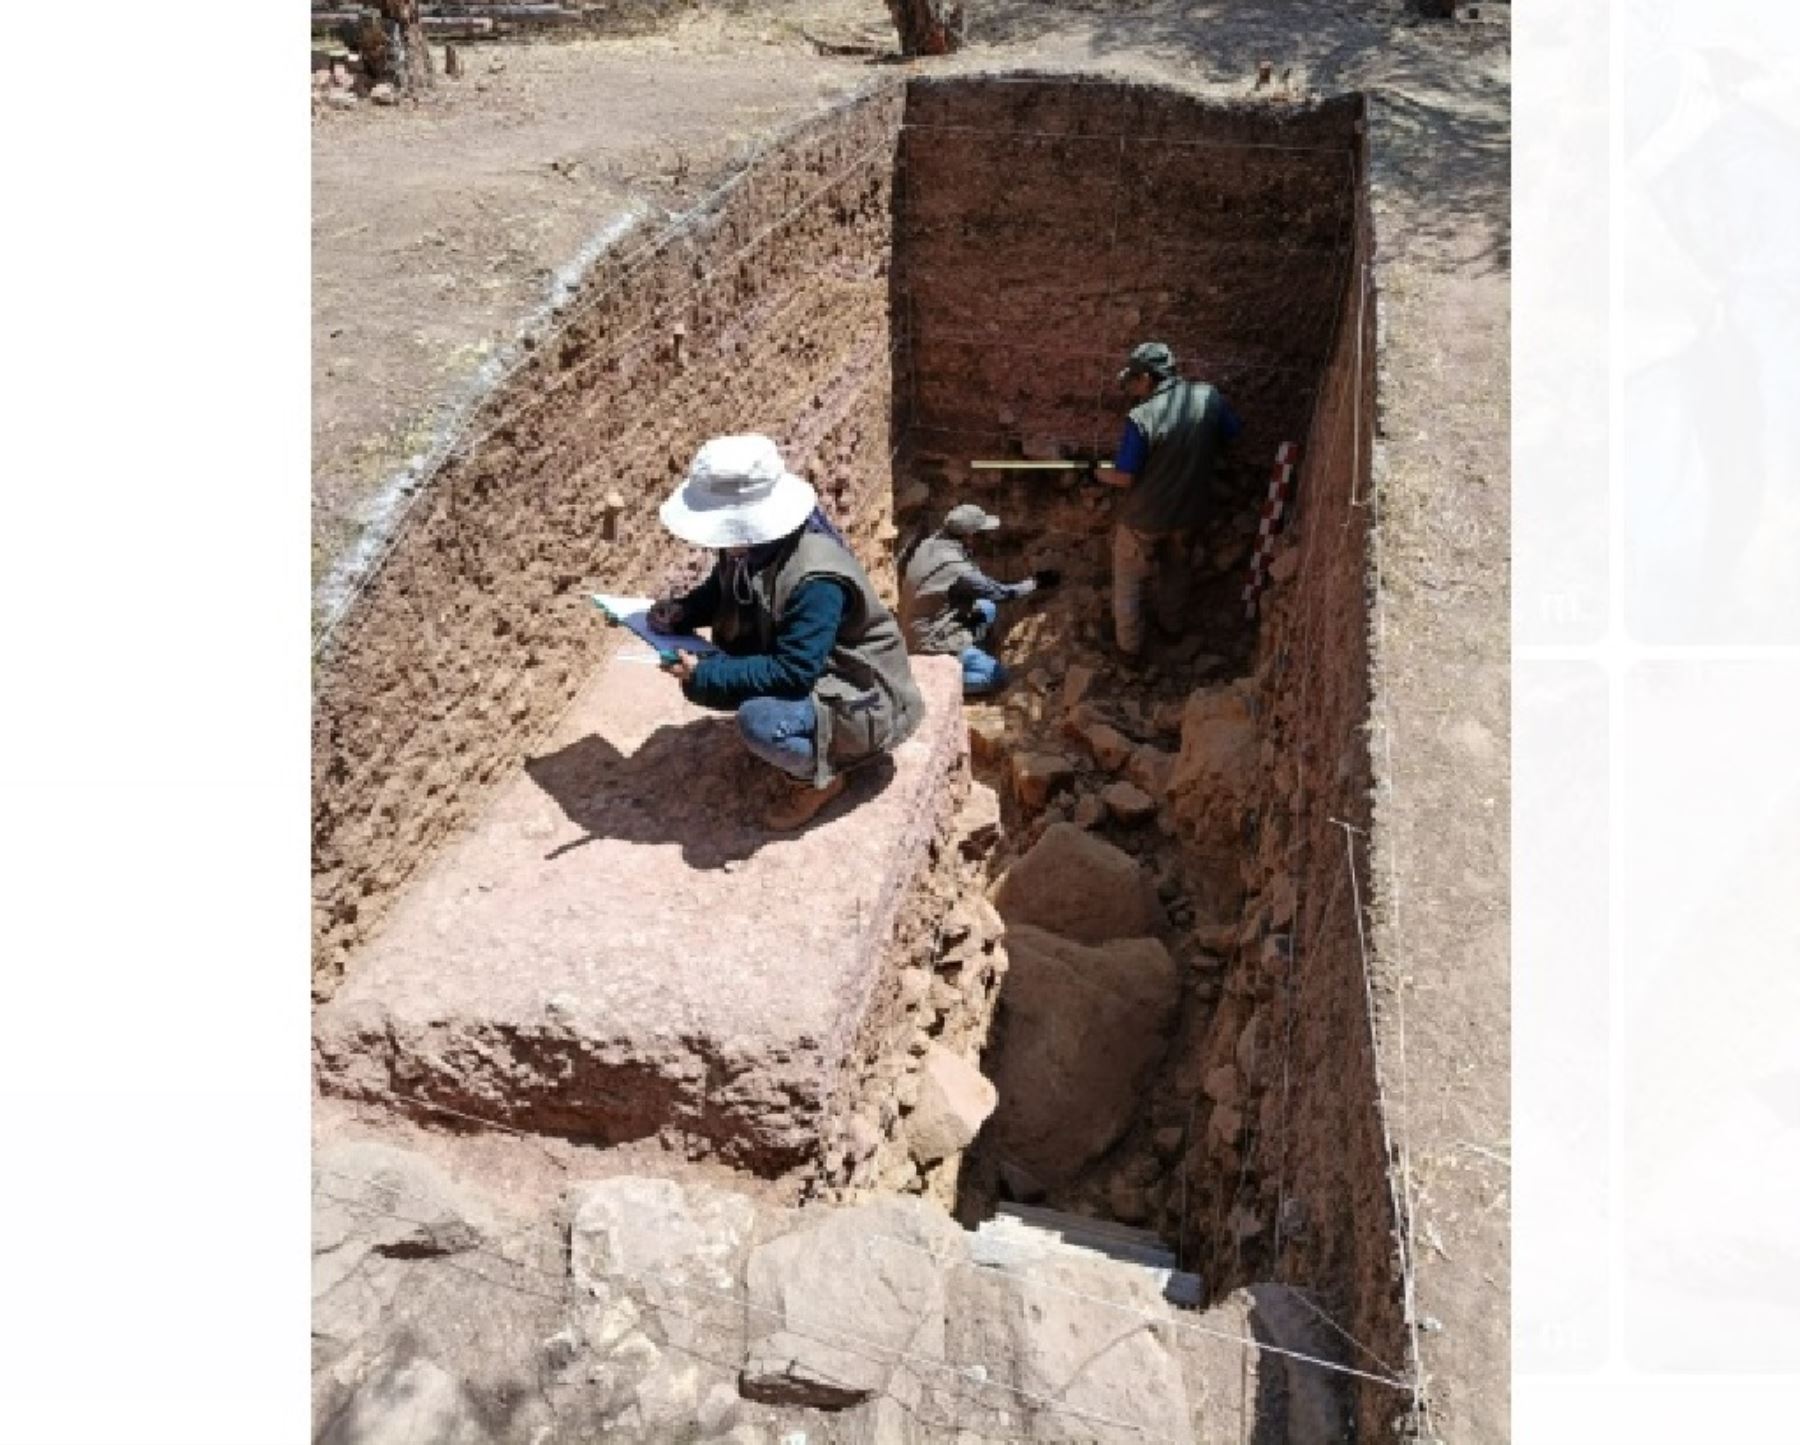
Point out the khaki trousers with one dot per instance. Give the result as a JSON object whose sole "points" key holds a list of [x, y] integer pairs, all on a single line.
{"points": [[1159, 562]]}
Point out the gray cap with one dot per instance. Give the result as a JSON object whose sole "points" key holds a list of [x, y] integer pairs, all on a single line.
{"points": [[968, 519], [1149, 358]]}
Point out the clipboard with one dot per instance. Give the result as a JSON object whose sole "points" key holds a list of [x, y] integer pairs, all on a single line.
{"points": [[634, 612]]}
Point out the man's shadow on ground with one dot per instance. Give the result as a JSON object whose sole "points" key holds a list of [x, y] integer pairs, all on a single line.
{"points": [[692, 784]]}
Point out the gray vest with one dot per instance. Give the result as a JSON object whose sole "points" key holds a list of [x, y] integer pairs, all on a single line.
{"points": [[866, 702], [933, 623], [1181, 422]]}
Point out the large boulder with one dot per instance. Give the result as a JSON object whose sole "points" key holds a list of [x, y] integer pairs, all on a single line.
{"points": [[835, 1305], [1080, 886], [1081, 1028]]}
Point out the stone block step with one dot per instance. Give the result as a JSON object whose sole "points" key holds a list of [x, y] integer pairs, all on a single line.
{"points": [[619, 948]]}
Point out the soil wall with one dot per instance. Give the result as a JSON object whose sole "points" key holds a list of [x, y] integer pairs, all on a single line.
{"points": [[1048, 226], [1308, 1197], [766, 309]]}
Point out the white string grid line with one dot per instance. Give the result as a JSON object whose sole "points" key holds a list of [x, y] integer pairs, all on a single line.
{"points": [[1399, 1189]]}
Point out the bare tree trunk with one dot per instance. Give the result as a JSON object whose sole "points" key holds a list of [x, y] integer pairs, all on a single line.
{"points": [[927, 27], [413, 68]]}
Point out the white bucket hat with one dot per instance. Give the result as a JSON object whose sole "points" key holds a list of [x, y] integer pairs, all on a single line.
{"points": [[738, 493]]}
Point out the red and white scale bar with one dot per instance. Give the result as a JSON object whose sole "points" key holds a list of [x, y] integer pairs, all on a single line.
{"points": [[1281, 485]]}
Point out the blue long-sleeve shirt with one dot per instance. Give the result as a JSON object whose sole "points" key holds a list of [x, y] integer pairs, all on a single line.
{"points": [[1134, 446], [804, 636]]}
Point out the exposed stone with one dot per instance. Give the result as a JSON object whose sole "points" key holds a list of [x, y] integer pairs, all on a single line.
{"points": [[978, 823], [1041, 1334], [955, 1099], [667, 1399], [1216, 770], [1076, 683], [876, 1265], [1167, 1142], [1036, 775], [1090, 812], [883, 1421], [906, 1091], [407, 1403], [341, 99], [1128, 803], [912, 496], [1128, 1202], [1247, 1045], [861, 1137], [1224, 1127], [1083, 1026], [384, 94], [1151, 768], [719, 1411], [914, 986], [1221, 1085], [685, 1241], [1282, 900], [1020, 1182], [1285, 565], [1080, 886], [1109, 746], [1219, 938], [1167, 717], [987, 736]]}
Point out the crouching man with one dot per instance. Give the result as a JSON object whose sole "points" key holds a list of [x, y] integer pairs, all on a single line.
{"points": [[949, 605], [811, 661]]}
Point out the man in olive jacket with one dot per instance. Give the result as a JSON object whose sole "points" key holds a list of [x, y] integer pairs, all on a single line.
{"points": [[1166, 460], [949, 605], [811, 661]]}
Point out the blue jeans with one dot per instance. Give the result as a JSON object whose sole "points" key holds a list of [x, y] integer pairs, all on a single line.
{"points": [[982, 671], [783, 734]]}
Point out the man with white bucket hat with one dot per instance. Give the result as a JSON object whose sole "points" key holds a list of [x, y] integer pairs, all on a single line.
{"points": [[949, 605], [811, 661]]}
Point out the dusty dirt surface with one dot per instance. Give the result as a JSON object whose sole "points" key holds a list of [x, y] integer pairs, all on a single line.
{"points": [[438, 230]]}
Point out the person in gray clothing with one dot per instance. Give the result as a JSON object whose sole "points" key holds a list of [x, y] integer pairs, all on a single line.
{"points": [[948, 604], [1166, 463]]}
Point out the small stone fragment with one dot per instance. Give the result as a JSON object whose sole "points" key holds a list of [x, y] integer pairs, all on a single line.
{"points": [[1128, 803], [1036, 775]]}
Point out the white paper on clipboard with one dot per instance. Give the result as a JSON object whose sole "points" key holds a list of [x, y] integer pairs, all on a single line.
{"points": [[634, 612]]}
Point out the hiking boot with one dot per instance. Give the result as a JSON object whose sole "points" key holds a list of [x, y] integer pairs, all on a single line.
{"points": [[802, 804]]}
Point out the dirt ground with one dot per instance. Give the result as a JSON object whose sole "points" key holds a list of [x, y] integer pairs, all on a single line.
{"points": [[439, 229]]}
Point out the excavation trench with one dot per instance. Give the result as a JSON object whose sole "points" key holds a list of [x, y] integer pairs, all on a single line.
{"points": [[941, 272]]}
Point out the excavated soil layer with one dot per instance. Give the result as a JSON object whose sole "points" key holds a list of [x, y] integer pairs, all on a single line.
{"points": [[940, 272]]}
